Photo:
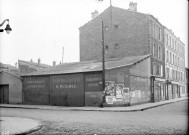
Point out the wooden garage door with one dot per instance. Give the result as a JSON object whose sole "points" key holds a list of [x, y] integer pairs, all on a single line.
{"points": [[36, 90], [4, 94], [69, 89]]}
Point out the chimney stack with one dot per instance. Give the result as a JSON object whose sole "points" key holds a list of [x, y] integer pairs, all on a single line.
{"points": [[94, 14], [39, 61], [133, 6], [54, 63]]}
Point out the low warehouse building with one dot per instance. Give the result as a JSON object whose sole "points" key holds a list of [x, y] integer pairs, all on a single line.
{"points": [[10, 88], [80, 83]]}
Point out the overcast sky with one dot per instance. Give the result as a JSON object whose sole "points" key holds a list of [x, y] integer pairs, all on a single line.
{"points": [[41, 28]]}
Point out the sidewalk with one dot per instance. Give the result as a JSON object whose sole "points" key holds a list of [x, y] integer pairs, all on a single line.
{"points": [[17, 125], [141, 107]]}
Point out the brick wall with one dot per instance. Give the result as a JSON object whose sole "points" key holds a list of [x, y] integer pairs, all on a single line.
{"points": [[125, 34]]}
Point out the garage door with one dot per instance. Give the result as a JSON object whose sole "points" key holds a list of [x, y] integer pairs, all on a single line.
{"points": [[69, 89], [36, 90], [4, 94]]}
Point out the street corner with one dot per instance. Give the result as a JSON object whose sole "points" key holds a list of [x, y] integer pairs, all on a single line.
{"points": [[18, 125]]}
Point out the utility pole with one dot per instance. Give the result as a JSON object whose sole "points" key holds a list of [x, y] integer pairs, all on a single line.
{"points": [[103, 65]]}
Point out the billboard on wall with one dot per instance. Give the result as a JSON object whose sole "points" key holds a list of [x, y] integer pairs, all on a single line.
{"points": [[116, 92]]}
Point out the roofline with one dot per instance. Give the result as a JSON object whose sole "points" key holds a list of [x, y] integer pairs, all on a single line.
{"points": [[98, 70], [11, 74], [107, 9], [155, 19], [40, 65], [169, 30]]}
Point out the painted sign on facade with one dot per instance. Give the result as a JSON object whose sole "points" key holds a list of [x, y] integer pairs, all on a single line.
{"points": [[36, 83], [66, 82], [92, 82]]}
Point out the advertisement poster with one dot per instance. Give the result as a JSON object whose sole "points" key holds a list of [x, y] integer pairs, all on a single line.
{"points": [[109, 99], [116, 92], [119, 92], [110, 88]]}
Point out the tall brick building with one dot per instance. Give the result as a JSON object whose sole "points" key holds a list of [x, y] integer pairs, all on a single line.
{"points": [[126, 33]]}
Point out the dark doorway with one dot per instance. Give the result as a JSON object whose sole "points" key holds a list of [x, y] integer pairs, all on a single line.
{"points": [[4, 94]]}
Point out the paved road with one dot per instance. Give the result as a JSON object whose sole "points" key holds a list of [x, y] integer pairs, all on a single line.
{"points": [[167, 119]]}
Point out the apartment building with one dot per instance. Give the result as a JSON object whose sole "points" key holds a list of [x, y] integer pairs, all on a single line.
{"points": [[174, 65], [127, 33]]}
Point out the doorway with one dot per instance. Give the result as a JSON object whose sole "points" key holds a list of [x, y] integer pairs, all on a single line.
{"points": [[4, 94]]}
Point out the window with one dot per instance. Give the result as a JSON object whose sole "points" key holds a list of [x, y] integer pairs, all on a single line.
{"points": [[154, 49], [173, 71], [167, 39], [160, 34], [167, 73], [116, 46], [160, 53], [106, 47], [183, 89], [157, 69], [153, 30], [170, 41], [116, 26], [178, 75], [173, 59], [167, 56], [170, 58]]}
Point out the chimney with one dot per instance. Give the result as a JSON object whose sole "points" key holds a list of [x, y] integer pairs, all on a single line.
{"points": [[39, 61], [133, 6], [31, 60], [54, 63], [94, 14]]}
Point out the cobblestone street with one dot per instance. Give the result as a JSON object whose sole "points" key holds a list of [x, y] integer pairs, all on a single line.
{"points": [[167, 119]]}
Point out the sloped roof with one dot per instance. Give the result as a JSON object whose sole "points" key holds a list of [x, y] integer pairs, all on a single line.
{"points": [[5, 71], [6, 66], [41, 65], [88, 66]]}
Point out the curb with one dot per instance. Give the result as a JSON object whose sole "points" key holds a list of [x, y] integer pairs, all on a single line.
{"points": [[38, 126], [31, 130], [79, 109]]}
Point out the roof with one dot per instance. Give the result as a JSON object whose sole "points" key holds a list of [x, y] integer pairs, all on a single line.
{"points": [[88, 66], [115, 8], [5, 71], [9, 69], [6, 66], [41, 65]]}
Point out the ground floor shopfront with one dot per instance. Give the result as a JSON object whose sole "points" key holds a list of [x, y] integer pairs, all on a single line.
{"points": [[175, 90]]}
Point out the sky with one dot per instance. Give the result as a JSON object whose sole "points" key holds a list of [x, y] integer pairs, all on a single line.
{"points": [[44, 28]]}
